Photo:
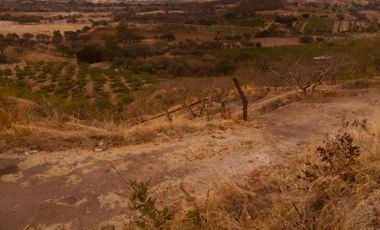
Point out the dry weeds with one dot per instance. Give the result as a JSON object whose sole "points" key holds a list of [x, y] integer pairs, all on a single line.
{"points": [[335, 186], [26, 126]]}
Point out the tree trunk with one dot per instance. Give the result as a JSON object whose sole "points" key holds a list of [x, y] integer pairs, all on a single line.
{"points": [[243, 98], [224, 109]]}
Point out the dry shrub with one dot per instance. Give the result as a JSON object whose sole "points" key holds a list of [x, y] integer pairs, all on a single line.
{"points": [[160, 129], [259, 204], [19, 111], [357, 84], [278, 101], [336, 186], [26, 126]]}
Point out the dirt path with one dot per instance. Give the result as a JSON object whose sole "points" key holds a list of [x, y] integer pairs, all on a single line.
{"points": [[82, 188]]}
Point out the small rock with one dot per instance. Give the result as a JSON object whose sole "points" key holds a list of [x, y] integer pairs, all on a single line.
{"points": [[30, 152], [97, 149]]}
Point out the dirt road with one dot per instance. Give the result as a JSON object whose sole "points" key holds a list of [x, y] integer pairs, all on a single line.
{"points": [[85, 188]]}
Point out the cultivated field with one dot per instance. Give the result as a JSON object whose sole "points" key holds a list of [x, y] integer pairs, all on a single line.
{"points": [[13, 27]]}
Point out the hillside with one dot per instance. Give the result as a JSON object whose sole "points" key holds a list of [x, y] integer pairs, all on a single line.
{"points": [[190, 115], [51, 189]]}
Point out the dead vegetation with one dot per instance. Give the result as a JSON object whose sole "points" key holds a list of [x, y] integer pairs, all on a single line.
{"points": [[28, 127], [307, 76], [333, 186]]}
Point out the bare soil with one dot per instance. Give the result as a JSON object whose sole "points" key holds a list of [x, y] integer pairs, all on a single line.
{"points": [[48, 28], [87, 187]]}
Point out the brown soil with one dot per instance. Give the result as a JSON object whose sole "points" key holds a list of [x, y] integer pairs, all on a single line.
{"points": [[85, 187]]}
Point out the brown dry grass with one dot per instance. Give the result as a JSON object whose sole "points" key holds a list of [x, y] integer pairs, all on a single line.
{"points": [[284, 197], [310, 191], [12, 27], [26, 126]]}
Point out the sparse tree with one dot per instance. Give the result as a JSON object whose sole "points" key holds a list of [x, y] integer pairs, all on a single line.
{"points": [[57, 37], [306, 75], [220, 95], [71, 36], [27, 40], [168, 36], [28, 36], [247, 36], [3, 45], [125, 34], [12, 38], [43, 38]]}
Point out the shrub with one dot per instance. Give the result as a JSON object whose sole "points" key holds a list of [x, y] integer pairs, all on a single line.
{"points": [[225, 66], [272, 31], [168, 37], [287, 20], [90, 54], [150, 217], [307, 39], [337, 155], [3, 59]]}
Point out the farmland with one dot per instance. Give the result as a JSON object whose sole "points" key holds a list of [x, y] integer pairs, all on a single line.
{"points": [[238, 114], [13, 27], [74, 88]]}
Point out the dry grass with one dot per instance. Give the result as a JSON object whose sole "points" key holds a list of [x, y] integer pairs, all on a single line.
{"points": [[340, 190], [13, 27], [26, 126]]}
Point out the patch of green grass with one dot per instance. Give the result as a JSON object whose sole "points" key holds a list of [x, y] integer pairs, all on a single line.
{"points": [[317, 25], [175, 27], [65, 83], [251, 22], [79, 90]]}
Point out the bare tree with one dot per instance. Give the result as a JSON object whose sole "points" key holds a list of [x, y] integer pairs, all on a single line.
{"points": [[206, 103], [190, 109], [221, 97], [306, 75], [43, 38]]}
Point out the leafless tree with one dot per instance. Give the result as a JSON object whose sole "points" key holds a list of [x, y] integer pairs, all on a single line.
{"points": [[206, 103], [307, 75], [190, 109], [220, 95]]}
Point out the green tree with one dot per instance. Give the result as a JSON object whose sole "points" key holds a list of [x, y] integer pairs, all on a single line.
{"points": [[26, 40], [90, 54], [168, 37], [12, 38], [225, 66], [3, 44], [57, 37], [43, 38], [125, 34]]}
